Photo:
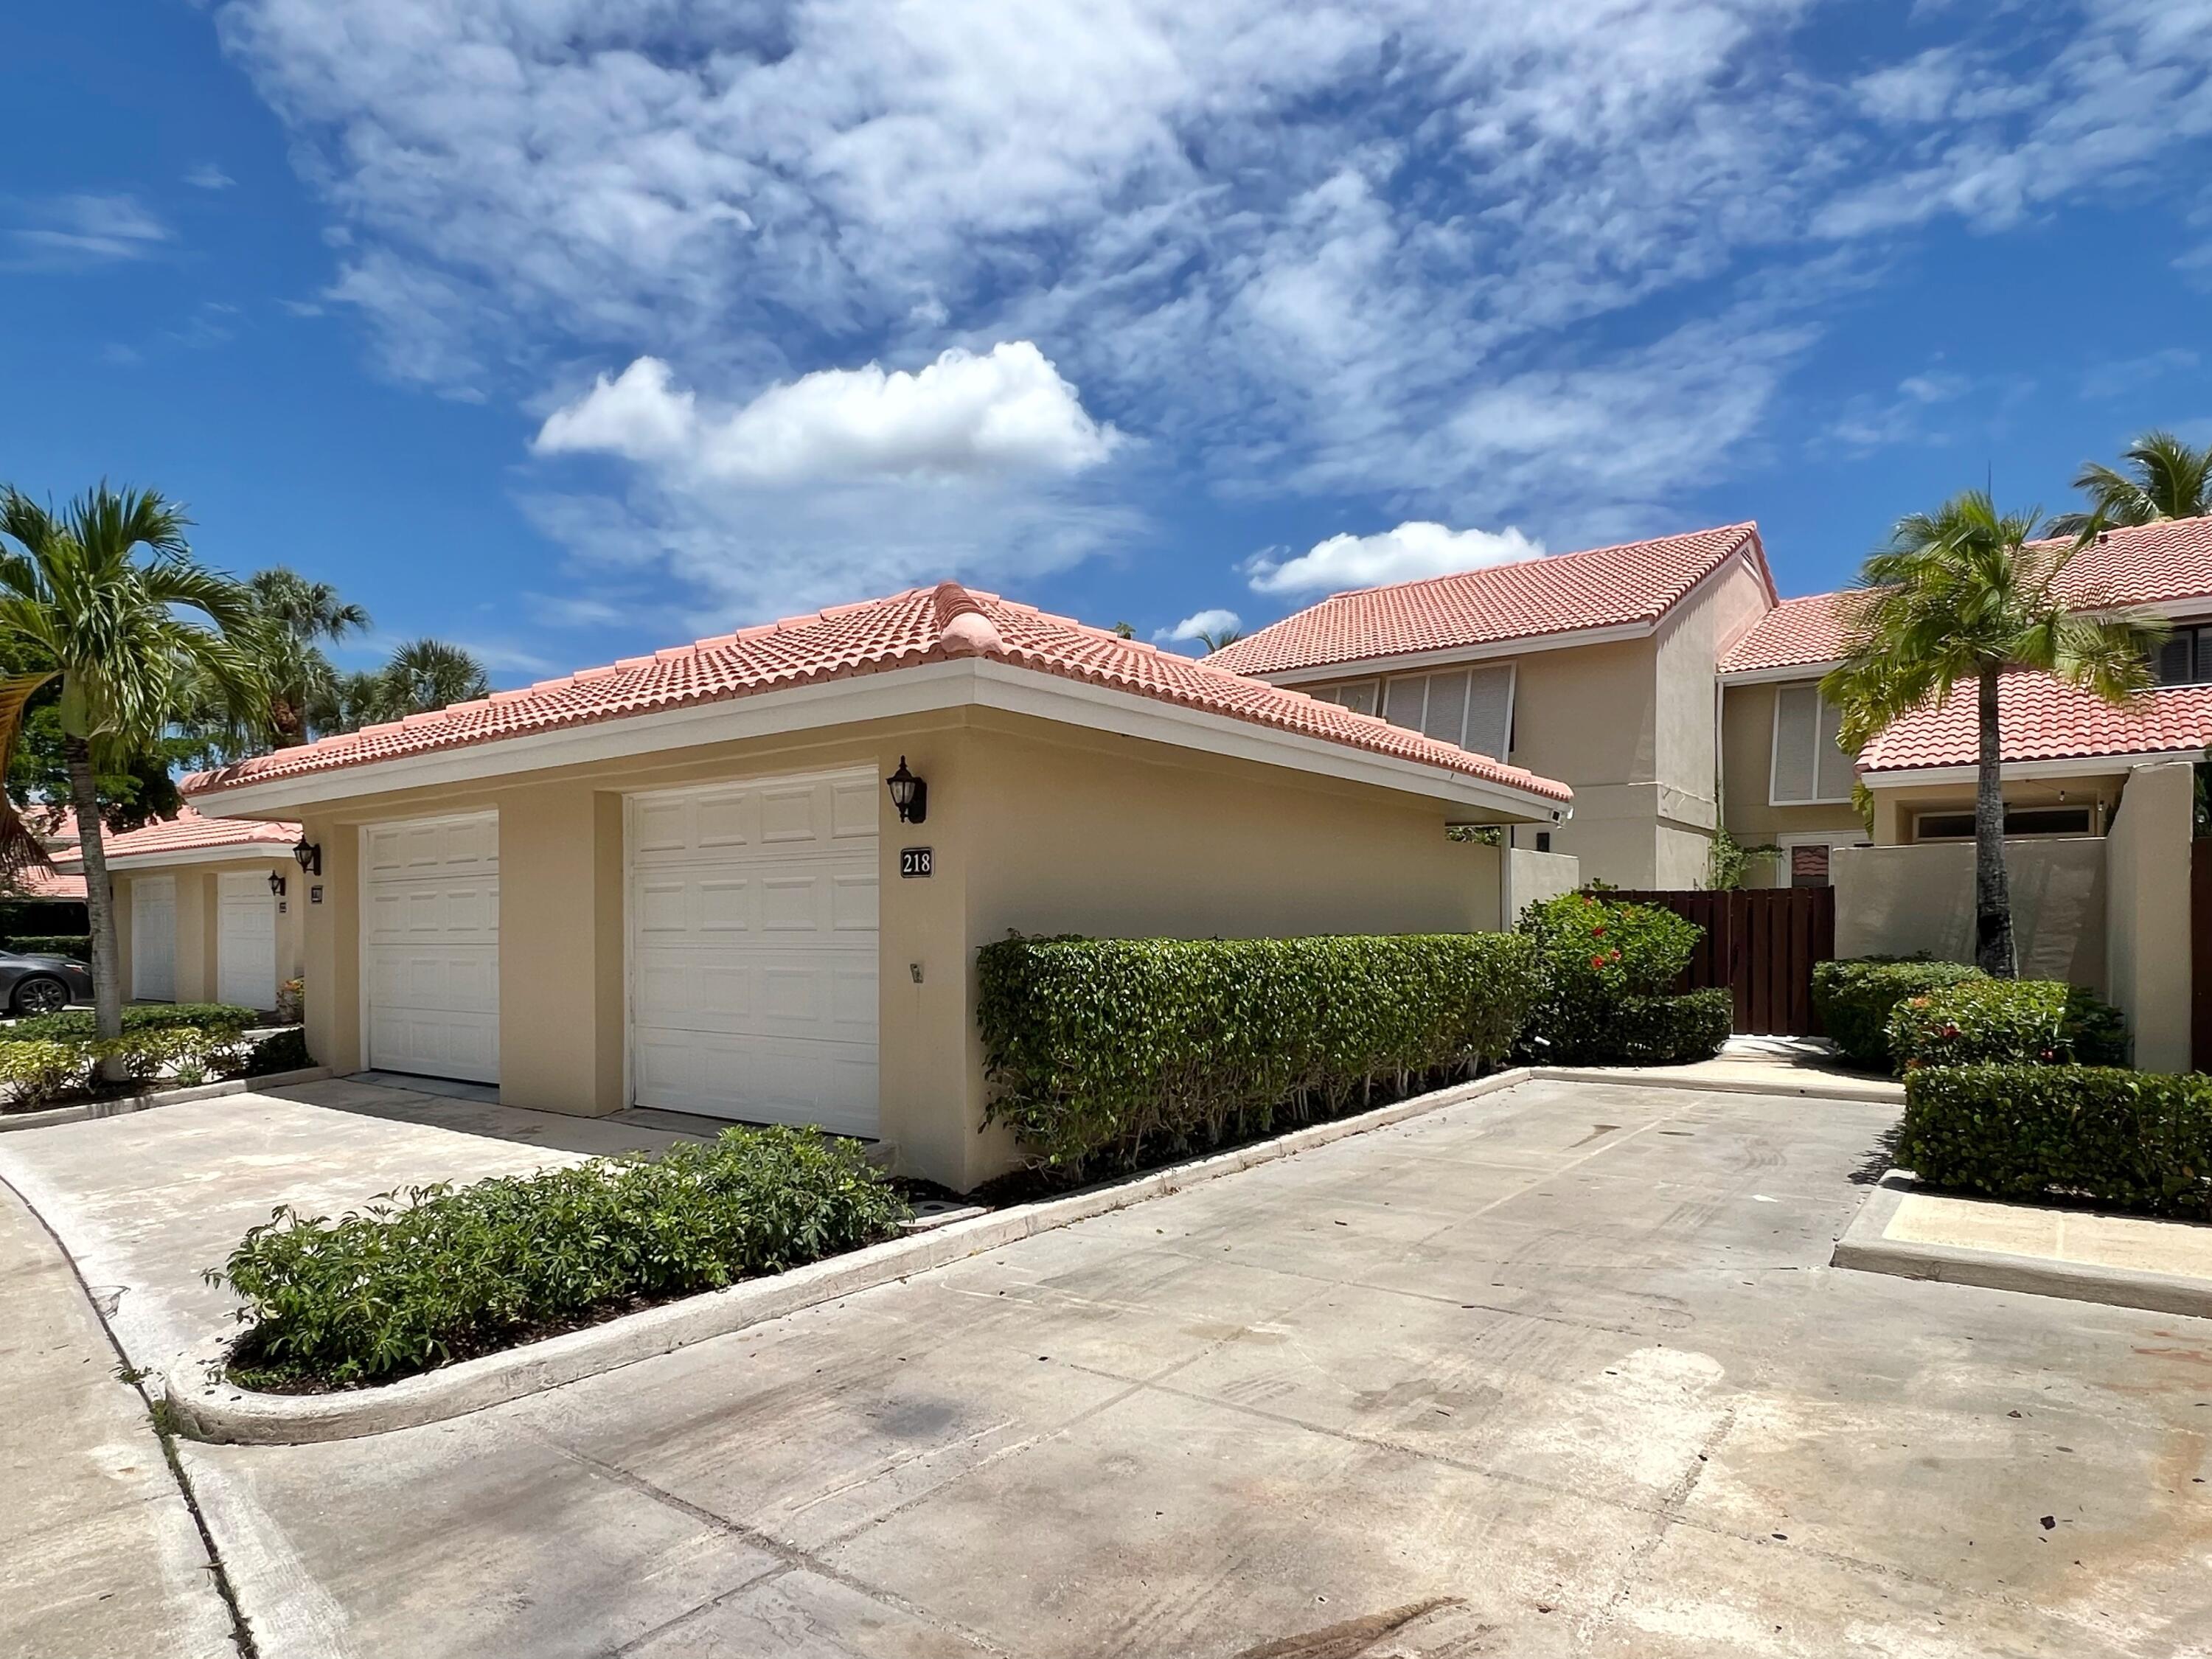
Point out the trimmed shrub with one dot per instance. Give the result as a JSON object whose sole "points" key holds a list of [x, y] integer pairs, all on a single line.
{"points": [[77, 947], [438, 1274], [280, 1051], [78, 1023], [1606, 969], [36, 1074], [1095, 1046], [2134, 1140], [1855, 999], [2004, 1022]]}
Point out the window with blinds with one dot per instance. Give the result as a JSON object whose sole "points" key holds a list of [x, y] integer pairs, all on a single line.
{"points": [[1358, 695], [1810, 765], [1471, 708]]}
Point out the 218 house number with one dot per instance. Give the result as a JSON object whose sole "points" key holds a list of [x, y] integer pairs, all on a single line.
{"points": [[916, 861]]}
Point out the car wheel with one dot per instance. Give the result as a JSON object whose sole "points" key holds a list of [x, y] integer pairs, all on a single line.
{"points": [[40, 994]]}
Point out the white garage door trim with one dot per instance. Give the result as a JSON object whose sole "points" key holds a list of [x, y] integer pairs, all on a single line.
{"points": [[245, 939], [429, 946], [154, 972], [751, 954]]}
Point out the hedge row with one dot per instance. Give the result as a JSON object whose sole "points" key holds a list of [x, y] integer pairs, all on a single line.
{"points": [[77, 1023], [2134, 1140], [440, 1273], [1855, 999], [2027, 1022], [77, 947], [39, 1072], [1096, 1047]]}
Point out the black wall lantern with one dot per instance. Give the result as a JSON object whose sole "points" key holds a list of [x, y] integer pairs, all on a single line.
{"points": [[909, 793], [310, 854], [276, 883]]}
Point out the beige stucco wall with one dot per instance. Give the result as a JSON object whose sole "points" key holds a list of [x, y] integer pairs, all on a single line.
{"points": [[197, 933], [1746, 782], [1532, 878], [1900, 900], [2146, 913], [1034, 827]]}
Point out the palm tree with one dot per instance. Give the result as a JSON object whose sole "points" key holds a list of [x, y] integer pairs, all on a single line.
{"points": [[1220, 639], [2165, 479], [427, 674], [79, 603], [1959, 597], [301, 615]]}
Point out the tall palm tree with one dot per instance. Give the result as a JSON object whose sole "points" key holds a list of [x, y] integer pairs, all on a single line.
{"points": [[427, 674], [1959, 597], [2165, 479], [301, 616], [96, 597], [1220, 639]]}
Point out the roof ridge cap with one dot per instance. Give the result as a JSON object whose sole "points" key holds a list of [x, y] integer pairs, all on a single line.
{"points": [[964, 628]]}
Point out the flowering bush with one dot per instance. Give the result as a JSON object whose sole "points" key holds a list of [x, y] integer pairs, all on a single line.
{"points": [[1854, 998], [1608, 971], [2007, 1022]]}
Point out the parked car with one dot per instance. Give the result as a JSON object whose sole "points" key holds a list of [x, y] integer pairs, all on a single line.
{"points": [[42, 985]]}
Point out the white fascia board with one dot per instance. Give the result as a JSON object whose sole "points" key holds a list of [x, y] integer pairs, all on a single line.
{"points": [[2081, 767], [229, 853], [926, 688], [1789, 672]]}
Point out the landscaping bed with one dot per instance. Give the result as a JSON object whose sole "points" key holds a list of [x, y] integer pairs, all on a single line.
{"points": [[55, 1060]]}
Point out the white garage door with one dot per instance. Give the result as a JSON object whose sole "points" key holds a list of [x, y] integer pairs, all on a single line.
{"points": [[154, 938], [245, 940], [752, 942], [430, 946]]}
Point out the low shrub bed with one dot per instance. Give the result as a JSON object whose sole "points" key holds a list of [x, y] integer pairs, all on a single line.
{"points": [[78, 1023], [440, 1273], [1606, 972], [37, 1072], [2132, 1140], [1855, 999], [1100, 1049], [2007, 1022]]}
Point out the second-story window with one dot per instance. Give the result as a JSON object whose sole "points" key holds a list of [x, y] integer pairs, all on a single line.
{"points": [[1471, 708], [1810, 766], [2185, 659]]}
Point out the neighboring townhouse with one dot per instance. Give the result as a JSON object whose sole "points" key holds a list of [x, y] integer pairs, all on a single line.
{"points": [[206, 909], [748, 878], [1594, 667]]}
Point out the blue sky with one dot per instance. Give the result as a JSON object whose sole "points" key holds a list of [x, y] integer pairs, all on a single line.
{"points": [[570, 328]]}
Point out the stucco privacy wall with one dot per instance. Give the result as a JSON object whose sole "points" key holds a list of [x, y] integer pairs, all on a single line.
{"points": [[1034, 827], [197, 937], [1900, 900], [2146, 912], [1530, 877]]}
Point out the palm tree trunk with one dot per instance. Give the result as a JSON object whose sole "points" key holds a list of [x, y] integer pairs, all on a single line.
{"points": [[99, 902], [1993, 948]]}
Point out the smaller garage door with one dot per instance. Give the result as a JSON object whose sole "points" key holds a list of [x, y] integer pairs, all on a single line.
{"points": [[245, 940], [429, 946], [154, 938]]}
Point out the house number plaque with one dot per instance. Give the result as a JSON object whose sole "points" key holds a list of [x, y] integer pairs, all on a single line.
{"points": [[916, 862]]}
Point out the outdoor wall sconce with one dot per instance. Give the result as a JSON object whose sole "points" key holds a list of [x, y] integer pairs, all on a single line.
{"points": [[909, 793], [276, 885], [310, 854]]}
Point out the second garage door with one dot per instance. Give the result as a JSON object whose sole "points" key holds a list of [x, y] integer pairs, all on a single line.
{"points": [[752, 942], [429, 946], [245, 940], [154, 938]]}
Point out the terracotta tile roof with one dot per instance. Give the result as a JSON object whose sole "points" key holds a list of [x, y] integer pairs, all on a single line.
{"points": [[1796, 633], [188, 832], [2142, 564], [923, 625], [49, 884], [1561, 593], [2042, 718]]}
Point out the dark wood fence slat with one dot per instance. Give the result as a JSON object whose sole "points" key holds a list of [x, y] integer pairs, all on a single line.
{"points": [[1760, 945]]}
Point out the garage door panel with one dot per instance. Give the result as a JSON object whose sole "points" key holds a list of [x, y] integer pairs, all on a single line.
{"points": [[753, 921], [154, 938], [246, 940], [431, 950]]}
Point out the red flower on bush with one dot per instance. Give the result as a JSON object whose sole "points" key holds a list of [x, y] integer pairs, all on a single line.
{"points": [[1950, 1030], [1597, 962], [1598, 931]]}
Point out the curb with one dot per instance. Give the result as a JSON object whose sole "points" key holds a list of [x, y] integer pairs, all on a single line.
{"points": [[1864, 1248], [86, 1111], [208, 1407], [1869, 1093]]}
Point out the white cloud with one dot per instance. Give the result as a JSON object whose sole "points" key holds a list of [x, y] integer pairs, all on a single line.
{"points": [[1215, 621], [1007, 412], [208, 176], [1415, 549], [70, 232]]}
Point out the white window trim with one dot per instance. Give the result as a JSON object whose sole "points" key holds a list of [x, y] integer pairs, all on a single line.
{"points": [[1774, 750], [2086, 834]]}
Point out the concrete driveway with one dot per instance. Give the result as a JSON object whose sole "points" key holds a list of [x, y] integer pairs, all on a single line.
{"points": [[1558, 1371]]}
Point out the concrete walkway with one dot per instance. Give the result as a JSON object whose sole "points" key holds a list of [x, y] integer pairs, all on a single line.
{"points": [[99, 1554], [1560, 1372]]}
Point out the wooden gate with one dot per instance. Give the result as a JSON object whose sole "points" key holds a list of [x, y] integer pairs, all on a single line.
{"points": [[1760, 945]]}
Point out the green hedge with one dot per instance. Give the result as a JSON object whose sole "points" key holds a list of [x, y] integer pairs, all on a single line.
{"points": [[1095, 1048], [78, 1023], [77, 947], [1855, 999], [39, 1072], [2007, 1022], [1605, 970], [440, 1273], [2134, 1140]]}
